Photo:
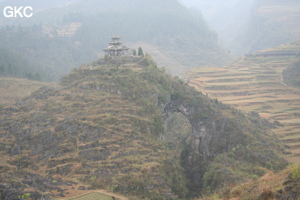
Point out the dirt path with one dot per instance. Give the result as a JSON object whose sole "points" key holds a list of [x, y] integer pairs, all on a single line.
{"points": [[80, 193], [111, 194], [281, 80]]}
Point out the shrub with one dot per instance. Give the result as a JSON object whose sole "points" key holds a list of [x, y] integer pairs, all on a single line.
{"points": [[295, 171], [25, 196]]}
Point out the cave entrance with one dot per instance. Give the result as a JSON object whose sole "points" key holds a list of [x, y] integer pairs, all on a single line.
{"points": [[177, 131]]}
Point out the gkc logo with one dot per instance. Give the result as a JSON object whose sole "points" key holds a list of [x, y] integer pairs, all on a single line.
{"points": [[13, 12]]}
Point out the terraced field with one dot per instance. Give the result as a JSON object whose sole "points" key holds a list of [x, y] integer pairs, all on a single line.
{"points": [[254, 83], [94, 196]]}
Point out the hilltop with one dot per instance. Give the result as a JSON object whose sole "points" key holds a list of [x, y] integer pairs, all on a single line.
{"points": [[124, 125]]}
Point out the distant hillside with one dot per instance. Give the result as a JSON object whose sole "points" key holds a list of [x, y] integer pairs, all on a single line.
{"points": [[51, 56], [224, 17], [291, 75], [15, 65], [124, 125], [260, 82], [50, 40], [273, 22]]}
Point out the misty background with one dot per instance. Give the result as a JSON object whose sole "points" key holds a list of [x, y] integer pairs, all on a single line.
{"points": [[179, 35]]}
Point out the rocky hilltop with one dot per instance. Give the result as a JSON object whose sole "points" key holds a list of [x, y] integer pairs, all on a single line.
{"points": [[111, 124]]}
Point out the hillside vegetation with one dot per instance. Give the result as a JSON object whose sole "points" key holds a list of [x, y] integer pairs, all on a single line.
{"points": [[258, 82], [15, 65], [29, 51], [124, 125], [282, 185]]}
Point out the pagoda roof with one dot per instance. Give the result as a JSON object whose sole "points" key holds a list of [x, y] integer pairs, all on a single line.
{"points": [[116, 48], [115, 37], [115, 43]]}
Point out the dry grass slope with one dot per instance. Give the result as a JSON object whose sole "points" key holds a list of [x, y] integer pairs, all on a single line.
{"points": [[14, 89], [267, 185], [99, 125]]}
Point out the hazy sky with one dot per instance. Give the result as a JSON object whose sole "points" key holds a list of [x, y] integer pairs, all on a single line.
{"points": [[210, 8], [224, 17]]}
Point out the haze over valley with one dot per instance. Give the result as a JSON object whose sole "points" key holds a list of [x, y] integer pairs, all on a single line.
{"points": [[154, 100]]}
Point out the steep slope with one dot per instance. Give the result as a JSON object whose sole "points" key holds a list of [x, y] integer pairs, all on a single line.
{"points": [[104, 126], [272, 23], [291, 75], [282, 185], [257, 82]]}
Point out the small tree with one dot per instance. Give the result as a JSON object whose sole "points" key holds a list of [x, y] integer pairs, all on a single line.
{"points": [[134, 52], [29, 76], [140, 52], [106, 58], [2, 70], [37, 77]]}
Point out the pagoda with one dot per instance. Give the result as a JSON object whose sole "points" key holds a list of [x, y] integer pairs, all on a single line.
{"points": [[116, 47]]}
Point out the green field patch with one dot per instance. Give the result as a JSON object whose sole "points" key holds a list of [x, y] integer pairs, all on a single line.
{"points": [[296, 136], [293, 133], [231, 75], [266, 107], [292, 140], [295, 121], [294, 145], [292, 110], [93, 196], [268, 83], [233, 80], [220, 87], [269, 77]]}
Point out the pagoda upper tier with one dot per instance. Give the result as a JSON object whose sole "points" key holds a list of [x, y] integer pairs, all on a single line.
{"points": [[116, 47]]}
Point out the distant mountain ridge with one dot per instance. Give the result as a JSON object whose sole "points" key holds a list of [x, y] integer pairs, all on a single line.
{"points": [[167, 25], [272, 23], [224, 17]]}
